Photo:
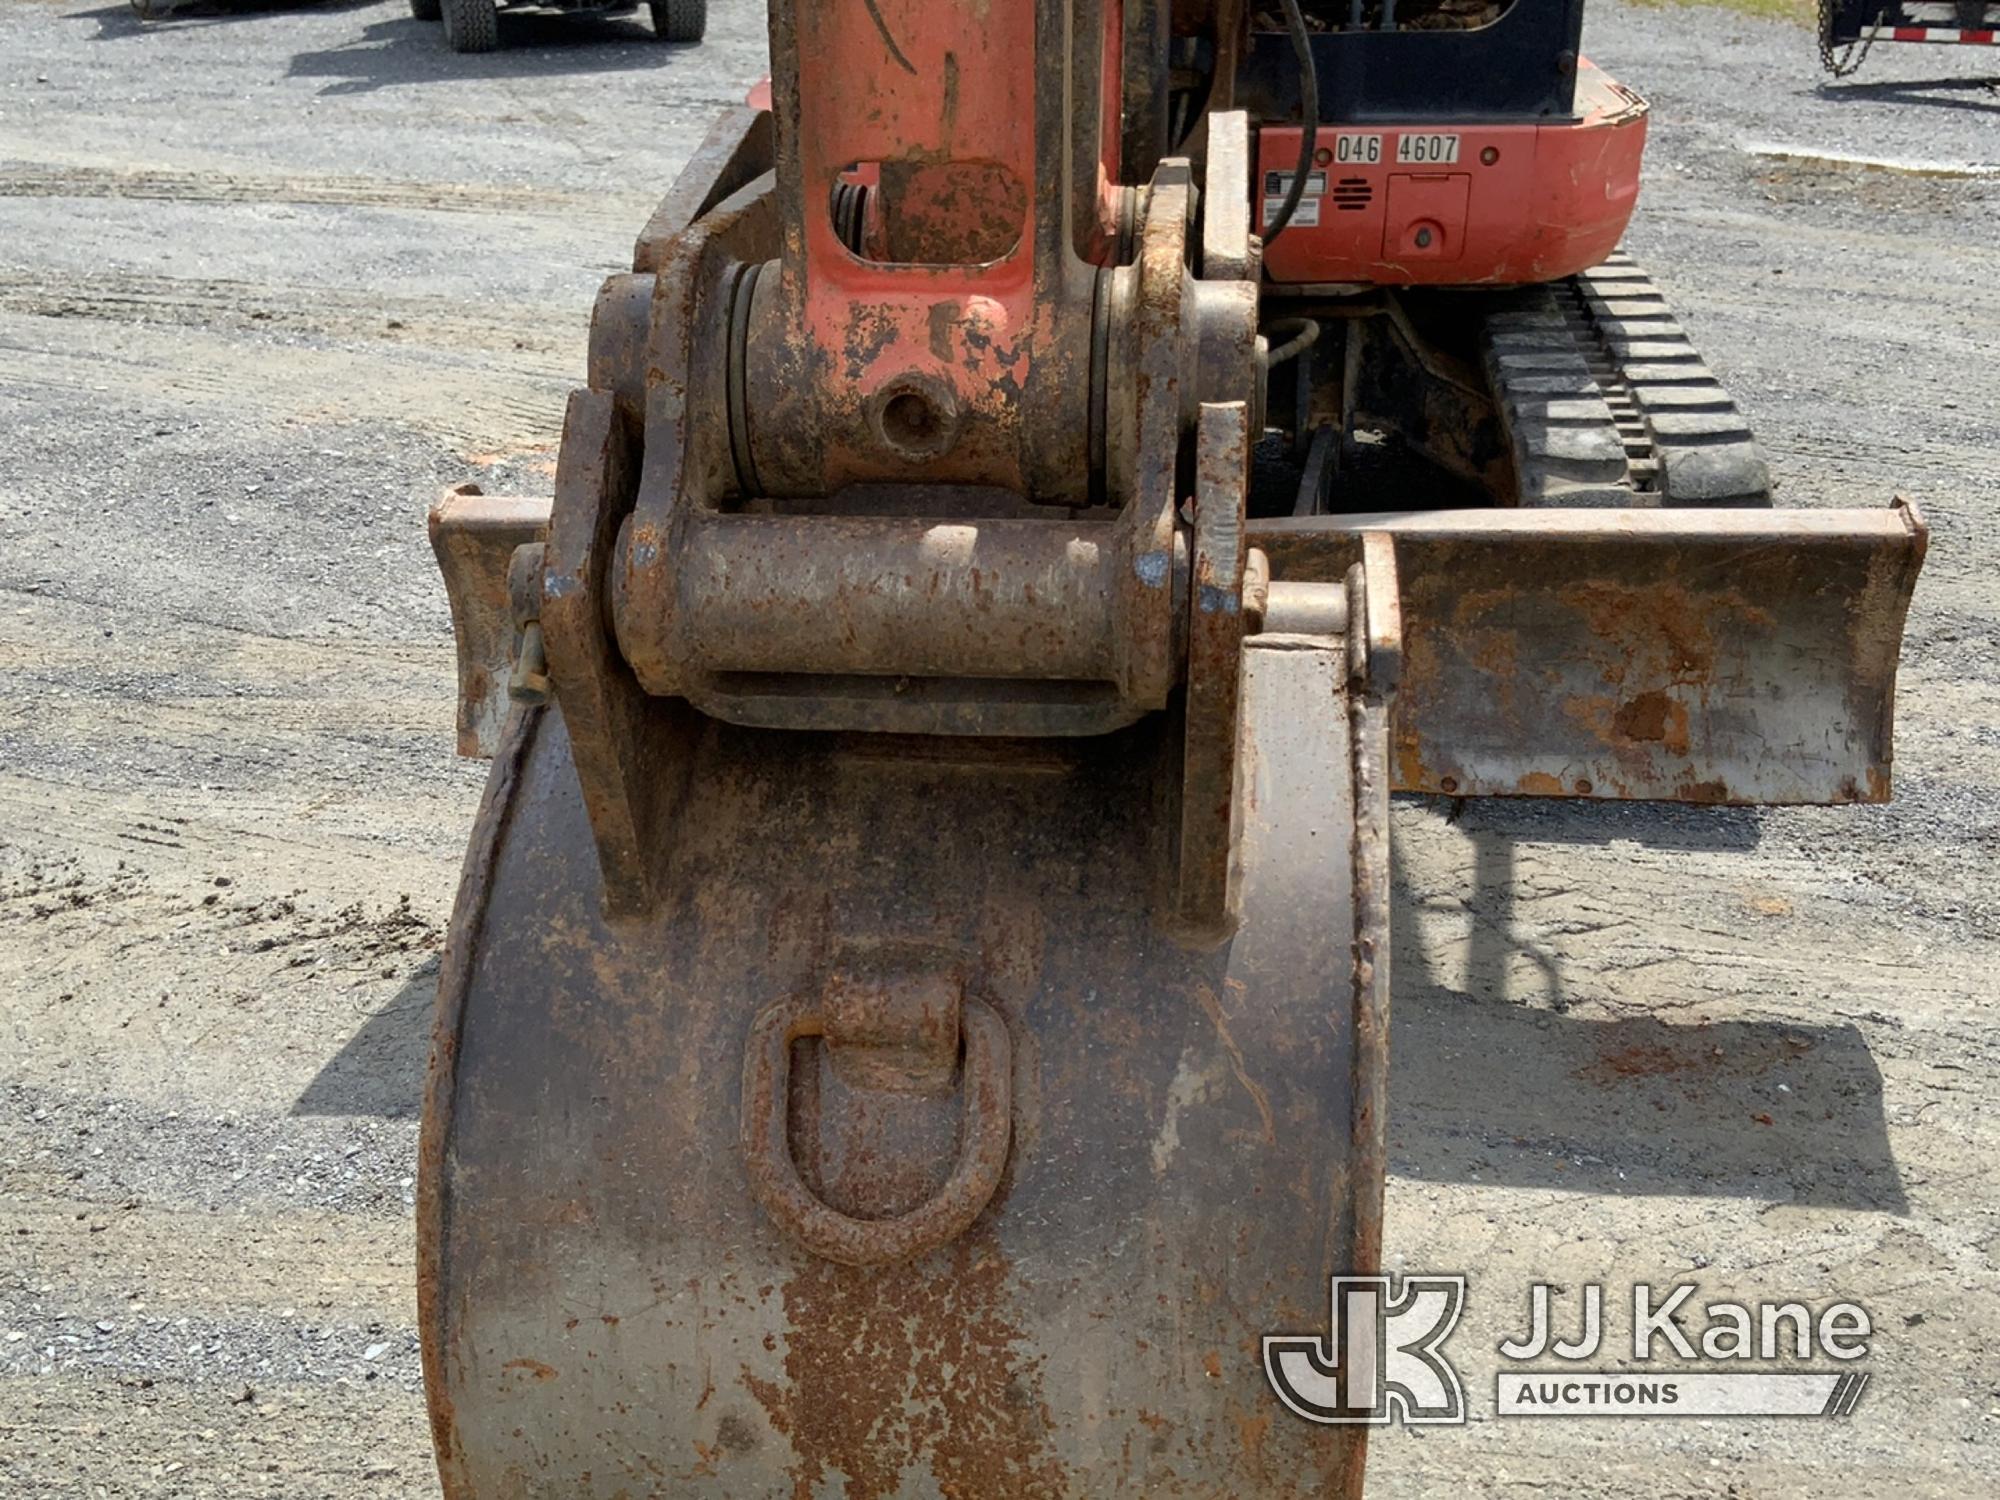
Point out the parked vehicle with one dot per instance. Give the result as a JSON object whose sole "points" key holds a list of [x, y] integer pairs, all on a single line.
{"points": [[1858, 25], [474, 25]]}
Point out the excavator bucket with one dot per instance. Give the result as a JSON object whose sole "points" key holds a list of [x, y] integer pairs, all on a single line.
{"points": [[898, 1144]]}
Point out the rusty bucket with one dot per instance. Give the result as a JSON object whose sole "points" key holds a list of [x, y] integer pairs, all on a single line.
{"points": [[897, 1150]]}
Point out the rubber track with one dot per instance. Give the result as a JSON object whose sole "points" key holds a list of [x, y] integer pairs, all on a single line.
{"points": [[1607, 402]]}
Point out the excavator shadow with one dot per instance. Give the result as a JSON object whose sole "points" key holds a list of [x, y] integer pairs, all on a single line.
{"points": [[380, 1069], [1488, 1087]]}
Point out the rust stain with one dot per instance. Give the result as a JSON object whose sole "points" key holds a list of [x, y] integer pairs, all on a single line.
{"points": [[533, 1367], [1411, 772], [1541, 784], [914, 1364], [1660, 630], [1696, 1062], [1497, 653], [766, 1393], [1655, 718], [705, 1469], [1250, 1433], [1640, 1060]]}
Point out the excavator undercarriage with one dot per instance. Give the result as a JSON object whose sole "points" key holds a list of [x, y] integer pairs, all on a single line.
{"points": [[916, 1013]]}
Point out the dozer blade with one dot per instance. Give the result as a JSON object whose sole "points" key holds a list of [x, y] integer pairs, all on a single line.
{"points": [[896, 1151], [1716, 656]]}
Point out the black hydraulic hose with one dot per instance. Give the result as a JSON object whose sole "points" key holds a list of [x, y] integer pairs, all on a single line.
{"points": [[1295, 23]]}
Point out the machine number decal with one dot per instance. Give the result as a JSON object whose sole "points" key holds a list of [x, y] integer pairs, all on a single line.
{"points": [[1427, 149], [1352, 148]]}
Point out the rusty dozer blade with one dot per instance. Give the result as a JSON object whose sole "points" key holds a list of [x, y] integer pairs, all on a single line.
{"points": [[1713, 656], [898, 1144]]}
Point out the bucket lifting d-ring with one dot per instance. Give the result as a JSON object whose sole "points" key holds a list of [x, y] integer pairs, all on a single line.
{"points": [[825, 1231]]}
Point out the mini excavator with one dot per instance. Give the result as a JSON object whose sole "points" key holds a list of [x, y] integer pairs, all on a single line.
{"points": [[915, 1018]]}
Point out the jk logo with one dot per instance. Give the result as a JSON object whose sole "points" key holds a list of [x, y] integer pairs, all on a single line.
{"points": [[1382, 1361]]}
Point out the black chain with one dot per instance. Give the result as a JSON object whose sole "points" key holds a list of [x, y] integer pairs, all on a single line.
{"points": [[1847, 62]]}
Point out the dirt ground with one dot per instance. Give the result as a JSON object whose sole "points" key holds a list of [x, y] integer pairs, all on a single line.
{"points": [[271, 275]]}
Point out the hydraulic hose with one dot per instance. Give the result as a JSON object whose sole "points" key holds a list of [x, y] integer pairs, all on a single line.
{"points": [[1295, 23]]}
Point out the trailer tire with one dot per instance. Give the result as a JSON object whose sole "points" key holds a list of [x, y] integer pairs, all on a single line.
{"points": [[426, 10], [680, 20], [471, 25]]}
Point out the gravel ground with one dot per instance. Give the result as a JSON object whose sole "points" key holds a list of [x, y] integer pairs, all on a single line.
{"points": [[270, 275]]}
